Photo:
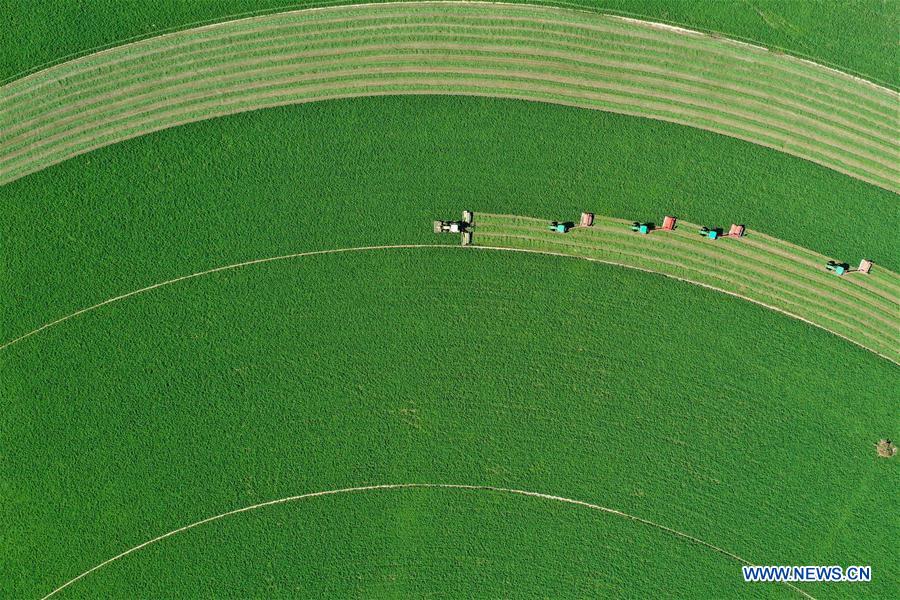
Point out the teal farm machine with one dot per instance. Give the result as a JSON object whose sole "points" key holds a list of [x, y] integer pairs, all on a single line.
{"points": [[645, 227], [586, 220], [715, 233]]}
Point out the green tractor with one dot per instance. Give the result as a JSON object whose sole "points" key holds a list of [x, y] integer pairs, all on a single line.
{"points": [[642, 228], [711, 233], [837, 268], [557, 227]]}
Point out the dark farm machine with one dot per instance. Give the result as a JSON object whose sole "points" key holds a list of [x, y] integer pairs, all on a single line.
{"points": [[463, 227]]}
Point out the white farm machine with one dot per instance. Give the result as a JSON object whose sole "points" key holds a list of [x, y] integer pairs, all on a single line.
{"points": [[463, 227]]}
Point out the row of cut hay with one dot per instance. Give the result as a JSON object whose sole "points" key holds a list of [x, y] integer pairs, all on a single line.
{"points": [[798, 73], [840, 294], [120, 95], [708, 277], [535, 53], [709, 265], [112, 77], [400, 80], [758, 271]]}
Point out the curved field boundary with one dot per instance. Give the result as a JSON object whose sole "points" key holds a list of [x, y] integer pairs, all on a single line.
{"points": [[440, 486], [248, 263], [864, 309], [536, 53], [819, 303]]}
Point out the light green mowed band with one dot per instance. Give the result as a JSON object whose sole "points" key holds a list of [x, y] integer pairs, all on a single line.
{"points": [[534, 53]]}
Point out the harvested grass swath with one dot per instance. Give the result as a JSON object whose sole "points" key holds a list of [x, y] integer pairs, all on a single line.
{"points": [[528, 52], [860, 308]]}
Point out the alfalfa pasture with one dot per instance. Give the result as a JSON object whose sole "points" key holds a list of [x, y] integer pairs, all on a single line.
{"points": [[749, 432], [576, 389]]}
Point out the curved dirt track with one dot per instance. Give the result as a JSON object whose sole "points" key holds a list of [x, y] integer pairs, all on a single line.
{"points": [[861, 309], [533, 53], [408, 486]]}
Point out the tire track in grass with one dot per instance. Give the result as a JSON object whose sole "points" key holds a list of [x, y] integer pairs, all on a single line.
{"points": [[210, 272], [885, 349], [861, 336], [441, 486], [693, 282]]}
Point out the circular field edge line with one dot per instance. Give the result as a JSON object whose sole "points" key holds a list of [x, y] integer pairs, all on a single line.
{"points": [[443, 486], [257, 261]]}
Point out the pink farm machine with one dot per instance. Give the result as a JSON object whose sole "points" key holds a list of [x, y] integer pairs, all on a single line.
{"points": [[586, 220]]}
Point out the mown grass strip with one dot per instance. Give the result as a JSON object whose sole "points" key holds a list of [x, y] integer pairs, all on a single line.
{"points": [[536, 71], [697, 276], [762, 277], [702, 268], [668, 87], [759, 259], [797, 287], [597, 47], [683, 240], [646, 33], [437, 82], [452, 56]]}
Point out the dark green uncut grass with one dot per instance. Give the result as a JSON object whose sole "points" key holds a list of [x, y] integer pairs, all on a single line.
{"points": [[742, 427], [376, 171], [858, 36]]}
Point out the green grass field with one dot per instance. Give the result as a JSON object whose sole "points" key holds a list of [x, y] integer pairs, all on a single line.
{"points": [[743, 428], [211, 194], [311, 374]]}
